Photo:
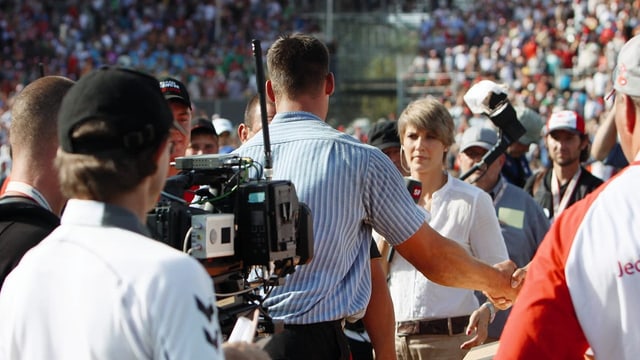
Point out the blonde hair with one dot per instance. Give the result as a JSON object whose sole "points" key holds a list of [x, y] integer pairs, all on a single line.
{"points": [[431, 115]]}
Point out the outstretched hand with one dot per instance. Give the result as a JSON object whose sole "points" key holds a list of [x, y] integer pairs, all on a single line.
{"points": [[516, 281], [503, 293]]}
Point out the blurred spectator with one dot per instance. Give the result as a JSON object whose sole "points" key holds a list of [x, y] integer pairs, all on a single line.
{"points": [[522, 220], [204, 139], [226, 133], [179, 102], [516, 168], [566, 181]]}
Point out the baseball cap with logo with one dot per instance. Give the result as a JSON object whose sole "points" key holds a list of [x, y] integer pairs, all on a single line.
{"points": [[480, 136], [173, 89], [565, 120], [626, 75], [128, 99], [384, 134]]}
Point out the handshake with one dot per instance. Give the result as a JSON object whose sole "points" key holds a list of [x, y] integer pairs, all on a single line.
{"points": [[504, 298], [481, 317]]}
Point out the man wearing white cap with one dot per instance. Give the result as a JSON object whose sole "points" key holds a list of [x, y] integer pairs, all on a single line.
{"points": [[225, 131], [582, 287], [522, 221], [566, 182]]}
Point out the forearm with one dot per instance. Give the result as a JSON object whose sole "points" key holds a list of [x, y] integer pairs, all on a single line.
{"points": [[605, 138], [447, 263], [379, 319]]}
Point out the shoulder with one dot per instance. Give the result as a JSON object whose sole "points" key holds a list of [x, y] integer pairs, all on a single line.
{"points": [[463, 188], [537, 179], [521, 194], [589, 179], [25, 211]]}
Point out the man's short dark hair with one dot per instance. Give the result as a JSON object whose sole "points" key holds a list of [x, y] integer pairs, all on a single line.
{"points": [[297, 63], [34, 115], [252, 106]]}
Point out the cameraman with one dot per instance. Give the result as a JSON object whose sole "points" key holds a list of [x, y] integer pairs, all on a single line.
{"points": [[341, 181], [98, 286]]}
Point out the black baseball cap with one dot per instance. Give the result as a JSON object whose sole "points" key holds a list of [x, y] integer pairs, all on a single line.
{"points": [[129, 99], [173, 89], [203, 125], [384, 134]]}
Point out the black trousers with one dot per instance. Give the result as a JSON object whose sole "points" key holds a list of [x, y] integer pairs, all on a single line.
{"points": [[321, 341]]}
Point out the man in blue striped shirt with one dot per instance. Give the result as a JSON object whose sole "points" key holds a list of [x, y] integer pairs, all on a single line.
{"points": [[351, 189]]}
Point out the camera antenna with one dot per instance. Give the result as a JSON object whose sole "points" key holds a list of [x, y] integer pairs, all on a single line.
{"points": [[257, 54]]}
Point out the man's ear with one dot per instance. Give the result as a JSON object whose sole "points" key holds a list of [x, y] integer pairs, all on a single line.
{"points": [[270, 95], [329, 84], [242, 132]]}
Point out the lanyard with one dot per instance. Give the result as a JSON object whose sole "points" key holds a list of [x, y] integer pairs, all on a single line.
{"points": [[28, 191], [499, 194], [560, 204]]}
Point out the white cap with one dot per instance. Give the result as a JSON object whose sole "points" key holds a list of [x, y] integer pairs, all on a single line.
{"points": [[222, 125]]}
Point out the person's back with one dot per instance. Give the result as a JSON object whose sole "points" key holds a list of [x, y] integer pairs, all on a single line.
{"points": [[105, 285], [98, 287], [581, 288], [334, 175], [340, 179], [304, 150], [30, 206]]}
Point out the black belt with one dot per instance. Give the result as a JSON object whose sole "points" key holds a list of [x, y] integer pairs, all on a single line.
{"points": [[336, 324], [448, 326]]}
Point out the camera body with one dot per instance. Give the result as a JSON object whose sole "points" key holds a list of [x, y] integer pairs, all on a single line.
{"points": [[234, 224]]}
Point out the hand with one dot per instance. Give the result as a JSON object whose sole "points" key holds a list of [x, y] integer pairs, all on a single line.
{"points": [[504, 294], [517, 279], [478, 323]]}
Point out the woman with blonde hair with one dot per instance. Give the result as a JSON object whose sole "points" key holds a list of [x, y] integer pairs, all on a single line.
{"points": [[432, 319]]}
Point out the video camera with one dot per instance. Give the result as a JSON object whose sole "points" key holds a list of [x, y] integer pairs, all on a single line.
{"points": [[233, 225], [490, 99]]}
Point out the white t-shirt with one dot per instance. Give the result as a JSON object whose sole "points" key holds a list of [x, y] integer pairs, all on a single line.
{"points": [[98, 289]]}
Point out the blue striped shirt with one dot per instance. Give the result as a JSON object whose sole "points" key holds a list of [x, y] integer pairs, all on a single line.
{"points": [[350, 188]]}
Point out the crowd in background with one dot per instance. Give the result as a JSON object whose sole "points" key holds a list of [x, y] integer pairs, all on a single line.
{"points": [[200, 42], [553, 55]]}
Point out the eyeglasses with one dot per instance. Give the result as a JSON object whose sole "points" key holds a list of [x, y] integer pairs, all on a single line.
{"points": [[612, 95]]}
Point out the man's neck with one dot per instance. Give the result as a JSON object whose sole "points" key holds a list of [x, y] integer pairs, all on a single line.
{"points": [[566, 172], [43, 183], [488, 185], [305, 103]]}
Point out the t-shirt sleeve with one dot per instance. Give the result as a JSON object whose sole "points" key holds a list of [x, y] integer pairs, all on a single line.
{"points": [[184, 318], [487, 243], [391, 210]]}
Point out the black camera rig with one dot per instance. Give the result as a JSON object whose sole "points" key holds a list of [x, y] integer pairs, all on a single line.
{"points": [[234, 226]]}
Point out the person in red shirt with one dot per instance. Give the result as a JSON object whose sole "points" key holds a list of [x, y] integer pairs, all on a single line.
{"points": [[582, 286]]}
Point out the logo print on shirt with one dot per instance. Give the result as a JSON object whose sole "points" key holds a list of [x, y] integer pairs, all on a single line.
{"points": [[208, 313], [628, 268]]}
